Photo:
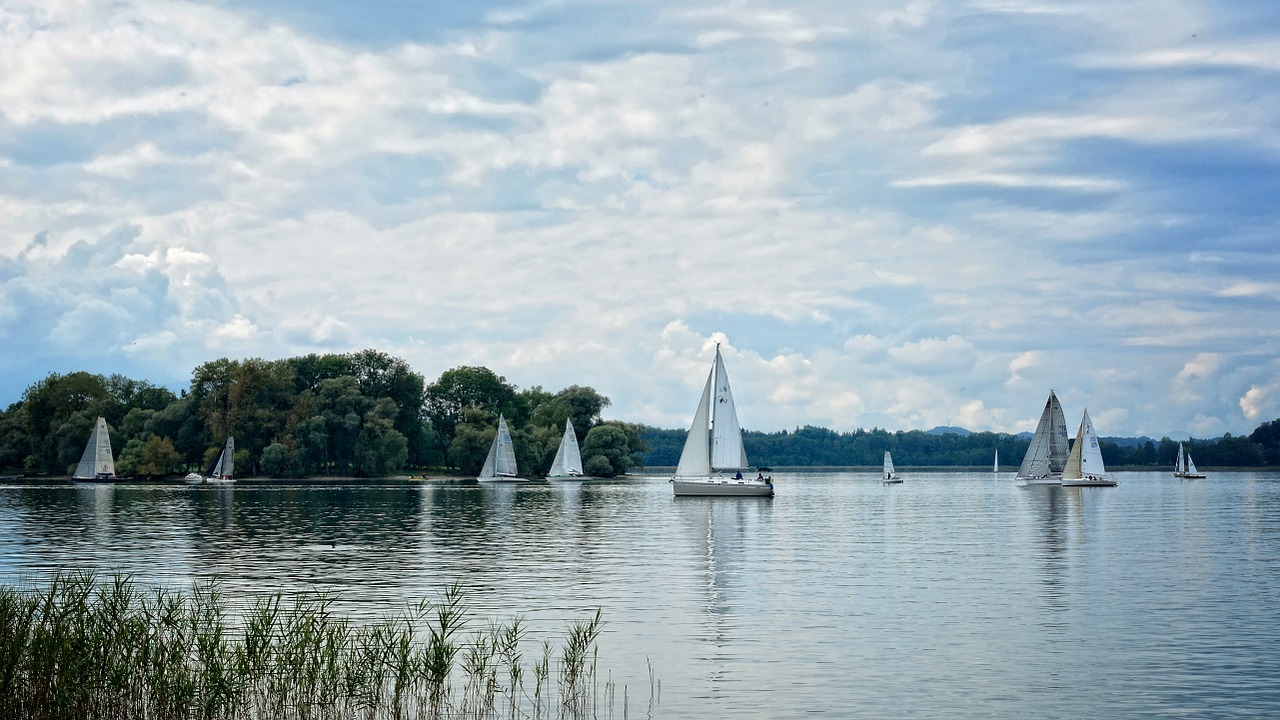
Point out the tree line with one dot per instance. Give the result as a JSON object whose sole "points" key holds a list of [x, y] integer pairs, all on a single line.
{"points": [[364, 413], [810, 446], [369, 414]]}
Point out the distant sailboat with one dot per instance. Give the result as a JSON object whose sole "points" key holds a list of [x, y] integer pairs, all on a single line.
{"points": [[995, 467], [568, 462], [500, 465], [222, 471], [1084, 466], [889, 477], [1047, 453], [1184, 467], [96, 464], [713, 457]]}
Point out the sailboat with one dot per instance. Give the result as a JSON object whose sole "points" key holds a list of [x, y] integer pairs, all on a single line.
{"points": [[1084, 466], [1184, 467], [222, 471], [713, 457], [500, 465], [889, 477], [1047, 453], [96, 464], [568, 462]]}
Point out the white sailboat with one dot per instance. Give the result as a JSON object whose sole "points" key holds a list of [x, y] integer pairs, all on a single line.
{"points": [[713, 459], [1184, 467], [568, 462], [1047, 453], [96, 464], [500, 465], [889, 477], [1084, 466], [995, 466], [222, 471]]}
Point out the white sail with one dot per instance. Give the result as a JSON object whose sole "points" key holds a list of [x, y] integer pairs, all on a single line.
{"points": [[96, 462], [1047, 453], [995, 466], [695, 458], [568, 462], [1084, 463], [727, 452], [888, 464], [1191, 466], [1179, 463], [500, 464]]}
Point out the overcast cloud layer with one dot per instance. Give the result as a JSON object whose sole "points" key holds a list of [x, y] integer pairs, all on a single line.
{"points": [[894, 213]]}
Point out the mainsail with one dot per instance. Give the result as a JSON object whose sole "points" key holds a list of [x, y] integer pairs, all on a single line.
{"points": [[224, 466], [715, 439], [1085, 458], [502, 454], [1047, 454], [96, 460], [568, 459]]}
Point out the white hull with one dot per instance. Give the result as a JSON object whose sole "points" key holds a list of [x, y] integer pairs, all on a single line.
{"points": [[1190, 476], [721, 487], [502, 479], [568, 477], [1048, 480], [893, 481], [1087, 482], [101, 479]]}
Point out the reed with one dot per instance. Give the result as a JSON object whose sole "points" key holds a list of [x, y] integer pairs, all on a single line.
{"points": [[83, 648]]}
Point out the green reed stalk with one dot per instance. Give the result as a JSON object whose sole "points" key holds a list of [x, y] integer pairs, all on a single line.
{"points": [[84, 649]]}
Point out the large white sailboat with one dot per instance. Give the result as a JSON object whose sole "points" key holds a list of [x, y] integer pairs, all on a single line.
{"points": [[500, 465], [96, 464], [568, 462], [1184, 467], [889, 477], [713, 459], [1047, 453], [1084, 466]]}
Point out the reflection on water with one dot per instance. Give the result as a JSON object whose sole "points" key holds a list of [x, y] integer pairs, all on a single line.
{"points": [[951, 595]]}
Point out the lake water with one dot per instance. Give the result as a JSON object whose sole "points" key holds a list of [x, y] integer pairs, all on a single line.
{"points": [[953, 595]]}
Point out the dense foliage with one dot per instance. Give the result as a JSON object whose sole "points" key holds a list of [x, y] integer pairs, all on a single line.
{"points": [[818, 447], [364, 414]]}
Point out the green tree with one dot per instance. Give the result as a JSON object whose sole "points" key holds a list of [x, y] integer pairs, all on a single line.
{"points": [[621, 444], [277, 460], [471, 440], [466, 387], [55, 410]]}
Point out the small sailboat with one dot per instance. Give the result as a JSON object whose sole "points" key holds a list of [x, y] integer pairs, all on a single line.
{"points": [[995, 466], [500, 465], [222, 471], [568, 462], [889, 477], [1084, 466], [1047, 453], [713, 459], [1184, 467], [96, 464]]}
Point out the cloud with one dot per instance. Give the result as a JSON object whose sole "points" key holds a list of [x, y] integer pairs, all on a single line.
{"points": [[887, 213]]}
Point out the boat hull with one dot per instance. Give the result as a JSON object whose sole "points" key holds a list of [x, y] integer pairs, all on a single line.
{"points": [[502, 479], [1047, 480], [567, 477], [894, 481], [721, 487], [1087, 482]]}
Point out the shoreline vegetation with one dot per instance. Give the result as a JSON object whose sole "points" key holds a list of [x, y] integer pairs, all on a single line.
{"points": [[88, 648], [367, 414]]}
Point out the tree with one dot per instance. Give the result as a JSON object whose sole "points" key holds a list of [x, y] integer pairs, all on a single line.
{"points": [[52, 403], [467, 387], [620, 444], [277, 461]]}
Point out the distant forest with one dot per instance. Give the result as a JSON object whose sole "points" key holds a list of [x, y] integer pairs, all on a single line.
{"points": [[369, 414], [818, 447]]}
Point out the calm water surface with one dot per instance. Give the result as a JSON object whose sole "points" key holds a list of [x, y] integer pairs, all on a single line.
{"points": [[952, 595]]}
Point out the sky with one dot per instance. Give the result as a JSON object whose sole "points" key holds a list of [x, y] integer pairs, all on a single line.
{"points": [[896, 214]]}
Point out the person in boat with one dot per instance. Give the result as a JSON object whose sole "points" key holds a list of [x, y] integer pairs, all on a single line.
{"points": [[738, 476], [760, 475]]}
